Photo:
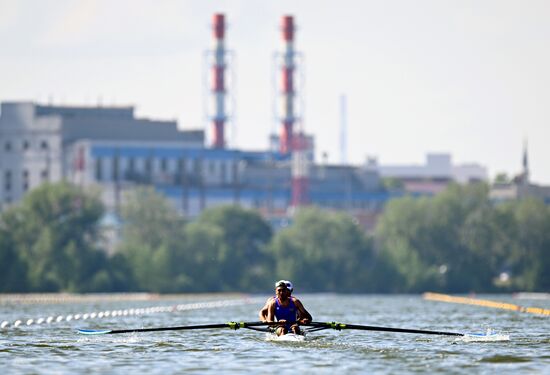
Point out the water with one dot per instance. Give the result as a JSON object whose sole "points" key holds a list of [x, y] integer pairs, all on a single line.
{"points": [[55, 348]]}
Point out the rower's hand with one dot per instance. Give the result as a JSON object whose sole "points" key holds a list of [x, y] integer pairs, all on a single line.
{"points": [[281, 322], [304, 321]]}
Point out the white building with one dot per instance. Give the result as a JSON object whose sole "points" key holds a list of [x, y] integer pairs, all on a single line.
{"points": [[37, 143], [433, 176]]}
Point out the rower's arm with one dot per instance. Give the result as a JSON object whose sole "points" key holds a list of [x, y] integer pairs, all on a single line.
{"points": [[271, 311], [303, 315], [264, 312]]}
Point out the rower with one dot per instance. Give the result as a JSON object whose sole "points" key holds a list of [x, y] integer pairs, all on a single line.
{"points": [[285, 309]]}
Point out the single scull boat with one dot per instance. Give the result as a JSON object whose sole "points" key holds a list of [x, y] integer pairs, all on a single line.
{"points": [[310, 327]]}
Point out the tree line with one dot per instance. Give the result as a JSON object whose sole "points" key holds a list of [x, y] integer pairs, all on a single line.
{"points": [[458, 241]]}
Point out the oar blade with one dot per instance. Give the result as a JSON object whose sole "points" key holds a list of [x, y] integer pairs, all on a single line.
{"points": [[94, 331], [488, 336]]}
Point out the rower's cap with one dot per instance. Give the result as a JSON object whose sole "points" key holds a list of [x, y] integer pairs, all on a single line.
{"points": [[289, 285], [281, 283]]}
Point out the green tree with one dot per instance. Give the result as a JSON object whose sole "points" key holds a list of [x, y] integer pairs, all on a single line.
{"points": [[203, 263], [457, 209], [401, 234], [55, 231], [152, 241], [530, 257], [241, 256], [13, 271], [443, 242], [502, 178], [324, 251], [391, 183]]}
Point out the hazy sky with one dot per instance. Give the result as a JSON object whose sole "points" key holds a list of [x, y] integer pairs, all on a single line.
{"points": [[471, 78]]}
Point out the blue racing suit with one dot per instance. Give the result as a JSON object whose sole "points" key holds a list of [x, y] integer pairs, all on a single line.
{"points": [[288, 313]]}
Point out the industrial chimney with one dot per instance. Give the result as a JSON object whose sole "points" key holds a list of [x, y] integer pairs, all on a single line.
{"points": [[288, 115], [218, 91]]}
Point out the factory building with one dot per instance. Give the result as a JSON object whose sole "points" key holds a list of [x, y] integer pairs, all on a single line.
{"points": [[110, 148], [37, 142]]}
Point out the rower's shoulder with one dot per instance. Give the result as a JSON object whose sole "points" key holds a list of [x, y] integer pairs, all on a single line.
{"points": [[270, 300]]}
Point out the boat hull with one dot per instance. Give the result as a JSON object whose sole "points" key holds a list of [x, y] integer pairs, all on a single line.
{"points": [[289, 337]]}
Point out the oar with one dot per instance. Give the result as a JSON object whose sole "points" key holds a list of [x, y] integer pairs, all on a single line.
{"points": [[341, 326], [232, 325]]}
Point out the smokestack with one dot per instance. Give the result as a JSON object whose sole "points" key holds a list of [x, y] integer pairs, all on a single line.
{"points": [[293, 142], [218, 81], [288, 93]]}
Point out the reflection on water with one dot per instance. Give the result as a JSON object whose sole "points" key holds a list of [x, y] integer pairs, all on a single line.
{"points": [[56, 348]]}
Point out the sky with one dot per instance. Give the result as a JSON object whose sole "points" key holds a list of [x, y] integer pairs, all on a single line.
{"points": [[470, 78]]}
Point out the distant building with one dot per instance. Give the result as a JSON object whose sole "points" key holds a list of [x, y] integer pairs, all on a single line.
{"points": [[110, 148], [37, 143], [512, 191], [432, 177], [520, 186]]}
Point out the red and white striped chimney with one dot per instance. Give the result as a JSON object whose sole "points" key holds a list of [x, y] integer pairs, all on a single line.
{"points": [[218, 81], [288, 94]]}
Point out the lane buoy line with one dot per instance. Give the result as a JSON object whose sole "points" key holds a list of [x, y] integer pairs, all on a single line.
{"points": [[19, 323], [485, 303], [69, 298]]}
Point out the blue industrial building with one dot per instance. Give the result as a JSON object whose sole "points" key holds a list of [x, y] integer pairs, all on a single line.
{"points": [[108, 147]]}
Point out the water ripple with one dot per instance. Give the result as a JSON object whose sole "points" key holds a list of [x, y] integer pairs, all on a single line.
{"points": [[43, 349]]}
